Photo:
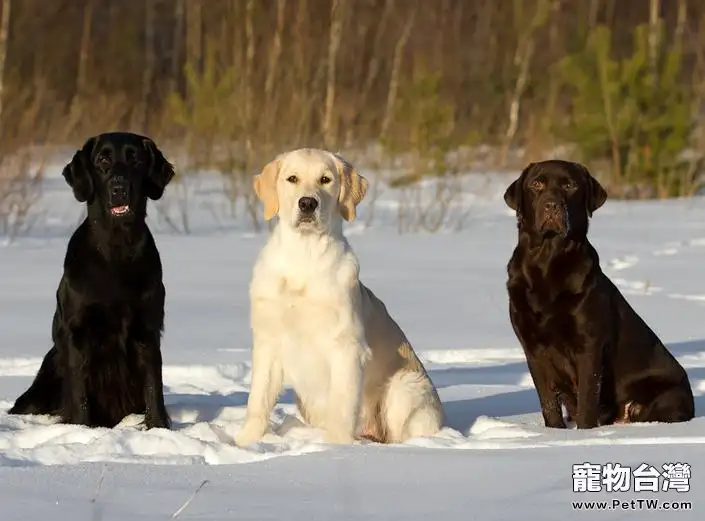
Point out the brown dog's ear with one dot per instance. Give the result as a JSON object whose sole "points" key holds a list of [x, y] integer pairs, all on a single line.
{"points": [[77, 173], [353, 188], [161, 172], [513, 194], [265, 185], [595, 195]]}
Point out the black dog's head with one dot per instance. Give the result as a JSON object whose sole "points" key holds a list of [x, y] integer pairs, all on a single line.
{"points": [[115, 173], [555, 198]]}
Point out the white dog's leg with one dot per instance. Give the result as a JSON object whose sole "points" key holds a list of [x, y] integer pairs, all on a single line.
{"points": [[345, 394], [410, 407], [266, 385]]}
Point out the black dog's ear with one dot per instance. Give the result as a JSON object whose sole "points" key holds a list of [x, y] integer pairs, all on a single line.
{"points": [[77, 173], [160, 173], [595, 195], [513, 194]]}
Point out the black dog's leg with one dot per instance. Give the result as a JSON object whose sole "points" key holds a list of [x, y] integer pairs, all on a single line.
{"points": [[589, 369], [548, 398], [150, 362], [75, 399]]}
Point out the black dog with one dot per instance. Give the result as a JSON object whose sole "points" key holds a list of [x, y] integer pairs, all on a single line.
{"points": [[585, 346], [106, 361]]}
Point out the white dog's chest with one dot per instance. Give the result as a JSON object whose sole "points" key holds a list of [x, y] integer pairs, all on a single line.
{"points": [[308, 313], [308, 321]]}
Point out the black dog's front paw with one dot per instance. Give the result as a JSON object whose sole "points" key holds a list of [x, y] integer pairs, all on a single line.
{"points": [[159, 421], [76, 417]]}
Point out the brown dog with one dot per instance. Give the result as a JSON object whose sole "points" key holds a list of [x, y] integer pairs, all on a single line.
{"points": [[585, 346]]}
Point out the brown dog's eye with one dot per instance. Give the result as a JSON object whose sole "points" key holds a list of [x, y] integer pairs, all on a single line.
{"points": [[536, 184], [292, 179], [569, 187], [325, 180]]}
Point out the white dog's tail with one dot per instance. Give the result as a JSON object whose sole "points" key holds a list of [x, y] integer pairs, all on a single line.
{"points": [[411, 407]]}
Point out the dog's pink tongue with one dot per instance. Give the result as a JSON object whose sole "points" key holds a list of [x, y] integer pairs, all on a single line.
{"points": [[118, 210]]}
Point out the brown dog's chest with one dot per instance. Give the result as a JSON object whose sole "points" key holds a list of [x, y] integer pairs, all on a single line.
{"points": [[546, 320]]}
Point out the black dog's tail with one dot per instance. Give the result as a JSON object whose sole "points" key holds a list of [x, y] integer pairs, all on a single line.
{"points": [[44, 395]]}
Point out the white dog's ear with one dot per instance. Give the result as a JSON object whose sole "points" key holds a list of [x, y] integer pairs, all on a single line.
{"points": [[265, 185], [353, 188]]}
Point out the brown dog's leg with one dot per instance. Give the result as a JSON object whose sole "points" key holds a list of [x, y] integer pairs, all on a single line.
{"points": [[588, 413], [626, 412], [548, 397]]}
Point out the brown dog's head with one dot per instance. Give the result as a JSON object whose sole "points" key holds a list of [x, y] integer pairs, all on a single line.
{"points": [[116, 172], [555, 198]]}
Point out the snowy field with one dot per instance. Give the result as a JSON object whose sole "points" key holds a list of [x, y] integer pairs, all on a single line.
{"points": [[493, 461]]}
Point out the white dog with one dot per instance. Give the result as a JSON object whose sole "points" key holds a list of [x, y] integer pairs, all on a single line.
{"points": [[316, 327]]}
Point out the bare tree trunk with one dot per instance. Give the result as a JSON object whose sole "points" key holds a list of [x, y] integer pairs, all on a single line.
{"points": [[4, 30], [175, 73], [373, 68], [249, 65], [276, 49], [336, 29], [194, 33], [681, 20], [522, 60], [654, 25], [149, 64], [82, 76], [396, 70]]}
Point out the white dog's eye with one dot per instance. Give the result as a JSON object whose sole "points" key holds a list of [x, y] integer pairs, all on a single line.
{"points": [[325, 180], [292, 179]]}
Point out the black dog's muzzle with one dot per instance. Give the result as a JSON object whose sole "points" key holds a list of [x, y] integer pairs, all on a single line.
{"points": [[119, 195]]}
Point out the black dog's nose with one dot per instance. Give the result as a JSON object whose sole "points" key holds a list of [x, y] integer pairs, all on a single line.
{"points": [[308, 204], [118, 191], [551, 206]]}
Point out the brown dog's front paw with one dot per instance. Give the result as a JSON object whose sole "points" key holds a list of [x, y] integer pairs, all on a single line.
{"points": [[556, 425], [554, 421], [586, 423]]}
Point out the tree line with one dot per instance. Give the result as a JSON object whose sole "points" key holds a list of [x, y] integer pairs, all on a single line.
{"points": [[619, 84]]}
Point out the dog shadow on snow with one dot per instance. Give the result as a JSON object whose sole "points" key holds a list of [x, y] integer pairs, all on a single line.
{"points": [[462, 413], [186, 409]]}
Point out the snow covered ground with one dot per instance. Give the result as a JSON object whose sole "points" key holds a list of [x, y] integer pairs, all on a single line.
{"points": [[493, 461]]}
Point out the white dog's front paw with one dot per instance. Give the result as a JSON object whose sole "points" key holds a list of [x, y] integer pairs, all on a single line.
{"points": [[339, 437], [251, 432]]}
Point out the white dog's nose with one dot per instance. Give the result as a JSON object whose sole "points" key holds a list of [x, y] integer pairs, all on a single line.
{"points": [[308, 205]]}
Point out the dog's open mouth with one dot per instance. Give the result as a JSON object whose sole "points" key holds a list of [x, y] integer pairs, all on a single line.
{"points": [[120, 210]]}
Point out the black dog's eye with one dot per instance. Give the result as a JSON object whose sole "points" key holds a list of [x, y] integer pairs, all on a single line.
{"points": [[131, 157], [103, 160], [569, 187], [536, 184], [325, 180], [292, 179]]}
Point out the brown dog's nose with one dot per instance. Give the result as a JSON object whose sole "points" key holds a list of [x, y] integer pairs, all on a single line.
{"points": [[551, 206]]}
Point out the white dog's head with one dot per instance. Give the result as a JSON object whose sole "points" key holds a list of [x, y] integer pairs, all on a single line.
{"points": [[309, 189]]}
